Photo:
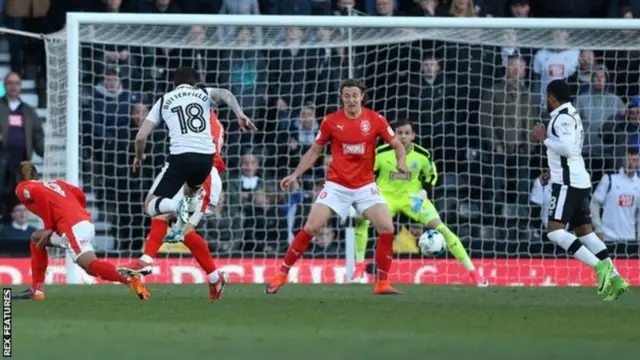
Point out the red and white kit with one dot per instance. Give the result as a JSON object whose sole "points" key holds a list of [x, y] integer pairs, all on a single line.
{"points": [[350, 179], [62, 208]]}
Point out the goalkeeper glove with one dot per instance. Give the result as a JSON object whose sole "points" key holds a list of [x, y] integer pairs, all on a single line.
{"points": [[417, 200]]}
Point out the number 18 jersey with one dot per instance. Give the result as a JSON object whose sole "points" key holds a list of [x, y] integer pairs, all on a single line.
{"points": [[186, 111]]}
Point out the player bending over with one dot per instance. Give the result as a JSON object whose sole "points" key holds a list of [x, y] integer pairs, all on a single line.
{"points": [[353, 132], [406, 193], [208, 195], [571, 190], [62, 208]]}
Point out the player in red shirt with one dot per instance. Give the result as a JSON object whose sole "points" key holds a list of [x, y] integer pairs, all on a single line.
{"points": [[353, 132], [208, 196], [62, 208]]}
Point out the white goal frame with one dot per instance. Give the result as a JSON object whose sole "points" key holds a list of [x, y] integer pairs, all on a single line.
{"points": [[74, 20]]}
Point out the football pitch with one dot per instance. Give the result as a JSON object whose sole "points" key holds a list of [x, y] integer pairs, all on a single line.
{"points": [[334, 322]]}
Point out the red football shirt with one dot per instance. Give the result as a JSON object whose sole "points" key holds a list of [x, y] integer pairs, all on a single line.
{"points": [[217, 130], [59, 204], [353, 145]]}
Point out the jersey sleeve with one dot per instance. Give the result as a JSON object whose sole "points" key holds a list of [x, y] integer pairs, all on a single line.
{"points": [[78, 194], [154, 113], [601, 190], [430, 172], [537, 63], [324, 134], [384, 130], [563, 129]]}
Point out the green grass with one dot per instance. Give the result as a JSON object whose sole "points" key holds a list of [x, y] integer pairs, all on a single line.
{"points": [[327, 322]]}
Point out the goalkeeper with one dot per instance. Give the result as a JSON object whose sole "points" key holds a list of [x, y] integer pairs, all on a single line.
{"points": [[406, 193]]}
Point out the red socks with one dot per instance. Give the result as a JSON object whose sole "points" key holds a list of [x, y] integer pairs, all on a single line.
{"points": [[39, 263], [106, 271], [298, 247], [384, 255], [155, 237], [200, 250]]}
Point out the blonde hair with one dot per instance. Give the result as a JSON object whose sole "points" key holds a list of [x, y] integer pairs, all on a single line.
{"points": [[27, 171], [468, 12]]}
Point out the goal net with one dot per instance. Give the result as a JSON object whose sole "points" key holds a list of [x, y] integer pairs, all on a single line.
{"points": [[472, 94]]}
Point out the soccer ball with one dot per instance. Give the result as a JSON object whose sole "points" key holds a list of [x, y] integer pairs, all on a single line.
{"points": [[431, 242]]}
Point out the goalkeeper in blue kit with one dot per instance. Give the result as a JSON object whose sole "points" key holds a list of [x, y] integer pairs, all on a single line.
{"points": [[406, 193]]}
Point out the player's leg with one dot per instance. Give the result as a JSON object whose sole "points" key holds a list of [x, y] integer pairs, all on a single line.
{"points": [[370, 203], [80, 238], [361, 240], [565, 202], [198, 170], [332, 198], [429, 216], [39, 264], [160, 198], [581, 223]]}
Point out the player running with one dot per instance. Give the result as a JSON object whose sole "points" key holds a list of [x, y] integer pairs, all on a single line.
{"points": [[571, 190], [406, 193], [62, 208], [353, 132], [208, 199]]}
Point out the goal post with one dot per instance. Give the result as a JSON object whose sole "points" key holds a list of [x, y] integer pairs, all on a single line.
{"points": [[375, 48]]}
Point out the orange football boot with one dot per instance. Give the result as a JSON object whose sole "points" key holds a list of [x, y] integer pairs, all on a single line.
{"points": [[383, 287], [136, 284], [137, 267], [276, 283]]}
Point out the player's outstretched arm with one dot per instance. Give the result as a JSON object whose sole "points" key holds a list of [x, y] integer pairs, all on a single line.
{"points": [[226, 96], [308, 159]]}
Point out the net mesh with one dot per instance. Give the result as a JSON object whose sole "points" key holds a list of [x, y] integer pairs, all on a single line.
{"points": [[473, 95]]}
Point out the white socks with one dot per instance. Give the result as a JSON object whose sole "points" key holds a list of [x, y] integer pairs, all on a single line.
{"points": [[161, 206], [570, 243], [593, 243], [213, 277]]}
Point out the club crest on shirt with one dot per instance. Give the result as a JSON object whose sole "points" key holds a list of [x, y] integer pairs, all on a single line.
{"points": [[414, 165], [365, 127]]}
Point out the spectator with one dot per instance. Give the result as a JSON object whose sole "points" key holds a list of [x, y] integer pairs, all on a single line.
{"points": [[325, 243], [386, 8], [21, 135], [519, 8], [427, 8], [264, 225], [508, 112], [621, 133], [296, 139], [342, 9], [18, 229], [597, 106], [331, 68], [244, 72], [581, 80], [25, 15], [555, 63], [618, 196], [290, 71], [240, 7], [463, 8], [241, 189], [513, 49], [159, 7], [433, 105]]}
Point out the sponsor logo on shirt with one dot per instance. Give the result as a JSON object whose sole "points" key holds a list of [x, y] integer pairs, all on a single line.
{"points": [[399, 176], [353, 149], [390, 131], [556, 70], [625, 200]]}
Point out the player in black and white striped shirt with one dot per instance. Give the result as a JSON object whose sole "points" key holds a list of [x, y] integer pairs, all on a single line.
{"points": [[571, 190]]}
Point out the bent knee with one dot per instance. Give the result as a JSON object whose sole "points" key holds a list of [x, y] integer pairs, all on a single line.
{"points": [[312, 229]]}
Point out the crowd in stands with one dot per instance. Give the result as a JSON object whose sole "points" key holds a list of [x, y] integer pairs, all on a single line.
{"points": [[472, 105]]}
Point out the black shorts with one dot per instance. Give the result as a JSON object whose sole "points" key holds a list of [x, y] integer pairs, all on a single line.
{"points": [[189, 168], [570, 205]]}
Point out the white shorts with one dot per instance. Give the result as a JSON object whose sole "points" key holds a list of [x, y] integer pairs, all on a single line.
{"points": [[208, 195], [80, 240], [340, 199]]}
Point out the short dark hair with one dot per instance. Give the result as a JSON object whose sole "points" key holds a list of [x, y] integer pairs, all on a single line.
{"points": [[401, 123], [185, 75], [633, 151], [352, 83], [27, 171], [111, 72], [560, 90]]}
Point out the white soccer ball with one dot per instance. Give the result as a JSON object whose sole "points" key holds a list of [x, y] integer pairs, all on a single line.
{"points": [[431, 242]]}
